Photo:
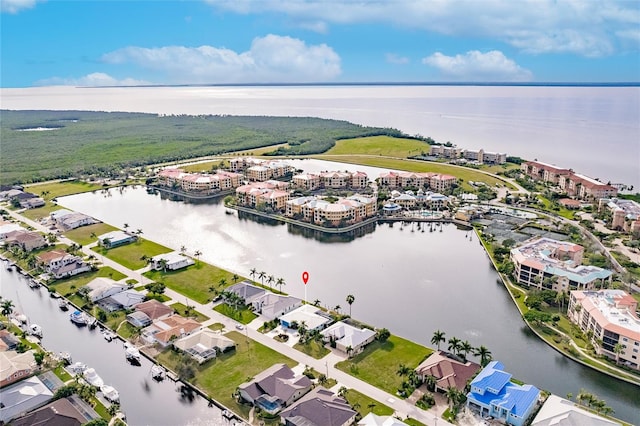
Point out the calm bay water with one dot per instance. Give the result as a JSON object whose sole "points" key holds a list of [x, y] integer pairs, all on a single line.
{"points": [[594, 130], [409, 281]]}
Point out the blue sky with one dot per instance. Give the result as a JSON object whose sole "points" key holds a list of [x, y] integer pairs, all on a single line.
{"points": [[298, 41]]}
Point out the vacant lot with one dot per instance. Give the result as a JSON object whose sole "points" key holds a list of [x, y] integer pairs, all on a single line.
{"points": [[131, 255], [88, 234], [380, 145]]}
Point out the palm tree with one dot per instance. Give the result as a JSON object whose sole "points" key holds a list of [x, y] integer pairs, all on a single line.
{"points": [[183, 249], [618, 349], [349, 350], [261, 276], [350, 299], [138, 231], [280, 282], [403, 370], [253, 272], [163, 265], [6, 308], [316, 302], [437, 338], [430, 381], [235, 278], [270, 281], [452, 395], [454, 345], [465, 347], [222, 282], [197, 254], [337, 308], [484, 354], [126, 226]]}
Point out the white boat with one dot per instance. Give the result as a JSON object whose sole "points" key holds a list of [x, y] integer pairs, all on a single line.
{"points": [[132, 354], [63, 304], [22, 318], [92, 377], [77, 367], [33, 283], [78, 317], [91, 321], [66, 357], [158, 372], [110, 393], [35, 330], [108, 335]]}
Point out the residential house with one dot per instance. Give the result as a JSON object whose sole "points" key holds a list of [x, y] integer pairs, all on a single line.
{"points": [[312, 316], [376, 420], [550, 264], [32, 203], [246, 291], [23, 397], [610, 317], [115, 239], [271, 305], [15, 366], [67, 220], [448, 370], [26, 240], [138, 319], [54, 259], [319, 407], [123, 300], [154, 310], [347, 338], [275, 388], [101, 287], [164, 331], [70, 269], [493, 394], [58, 413], [8, 340], [204, 344], [6, 228], [558, 411], [170, 261]]}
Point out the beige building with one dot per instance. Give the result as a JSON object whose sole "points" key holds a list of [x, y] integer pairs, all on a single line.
{"points": [[205, 183], [270, 193], [609, 316], [436, 181], [317, 210], [625, 214], [15, 366]]}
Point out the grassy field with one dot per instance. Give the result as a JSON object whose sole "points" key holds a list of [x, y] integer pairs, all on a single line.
{"points": [[71, 285], [379, 145], [366, 405], [193, 281], [216, 326], [220, 377], [50, 190], [130, 255], [40, 212], [181, 310], [83, 236], [378, 364], [420, 166], [313, 348], [244, 316]]}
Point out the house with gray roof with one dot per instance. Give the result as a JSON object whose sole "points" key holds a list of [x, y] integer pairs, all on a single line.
{"points": [[247, 292], [123, 300], [138, 319], [22, 397], [320, 407], [204, 344], [58, 413], [272, 306], [115, 239], [558, 411], [102, 287], [275, 388], [347, 336]]}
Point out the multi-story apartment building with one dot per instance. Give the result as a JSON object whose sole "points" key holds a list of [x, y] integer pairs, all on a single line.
{"points": [[538, 170], [317, 210], [574, 184], [625, 214], [331, 180], [436, 181], [609, 318], [269, 193], [199, 182], [260, 170], [549, 264], [307, 181]]}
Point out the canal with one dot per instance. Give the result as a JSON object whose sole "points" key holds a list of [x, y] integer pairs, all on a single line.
{"points": [[143, 400], [409, 280]]}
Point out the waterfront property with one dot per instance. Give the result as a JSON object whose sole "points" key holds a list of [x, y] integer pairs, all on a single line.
{"points": [[15, 366], [625, 214], [23, 397], [609, 316], [154, 310], [411, 200], [102, 287], [8, 341], [275, 388], [479, 156], [347, 338], [61, 264], [493, 394], [199, 183], [558, 411], [319, 407], [163, 331], [319, 210], [6, 228], [66, 220], [123, 300], [170, 261], [550, 264], [376, 420], [138, 319], [58, 413], [271, 306], [115, 239], [331, 180], [449, 371], [26, 240], [270, 194], [246, 291], [435, 181], [204, 344], [312, 316]]}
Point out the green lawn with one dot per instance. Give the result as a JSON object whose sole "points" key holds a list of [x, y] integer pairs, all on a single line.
{"points": [[313, 348], [564, 212], [83, 236], [59, 189], [71, 285], [126, 330], [244, 316], [463, 173], [364, 405], [412, 422], [130, 255], [217, 326], [380, 145], [181, 310], [378, 364], [113, 318], [193, 281], [220, 377], [40, 212]]}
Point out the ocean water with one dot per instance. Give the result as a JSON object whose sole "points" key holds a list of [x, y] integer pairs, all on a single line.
{"points": [[594, 130]]}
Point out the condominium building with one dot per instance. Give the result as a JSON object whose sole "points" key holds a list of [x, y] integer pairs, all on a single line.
{"points": [[317, 210], [625, 214], [555, 265], [199, 182], [572, 183], [538, 170], [609, 318], [484, 157], [270, 193], [260, 170], [331, 180], [435, 181]]}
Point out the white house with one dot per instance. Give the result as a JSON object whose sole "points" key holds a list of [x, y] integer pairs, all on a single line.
{"points": [[311, 315], [174, 261], [115, 238], [346, 336], [272, 306], [23, 397], [102, 287]]}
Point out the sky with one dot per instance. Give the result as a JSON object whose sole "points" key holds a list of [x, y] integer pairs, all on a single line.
{"points": [[106, 43]]}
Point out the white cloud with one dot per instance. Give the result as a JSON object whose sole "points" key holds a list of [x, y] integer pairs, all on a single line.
{"points": [[91, 80], [320, 27], [15, 6], [392, 58], [477, 66], [270, 59], [584, 27]]}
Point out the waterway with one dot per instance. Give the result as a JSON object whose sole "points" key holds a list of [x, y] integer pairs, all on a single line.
{"points": [[406, 280], [143, 400]]}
